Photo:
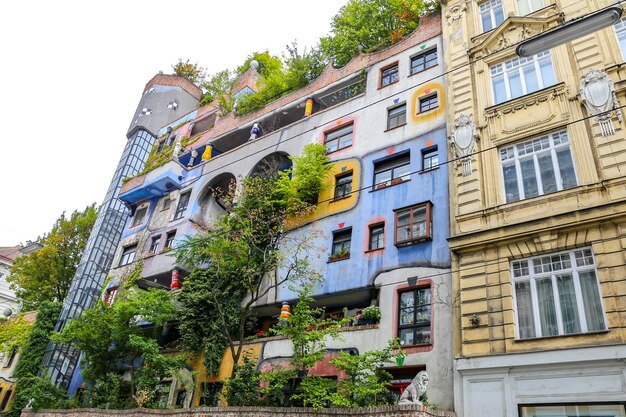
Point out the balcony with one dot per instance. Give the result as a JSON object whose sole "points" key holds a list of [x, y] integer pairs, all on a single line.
{"points": [[157, 183]]}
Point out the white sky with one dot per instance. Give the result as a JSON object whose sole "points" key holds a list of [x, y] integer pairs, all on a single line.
{"points": [[72, 73]]}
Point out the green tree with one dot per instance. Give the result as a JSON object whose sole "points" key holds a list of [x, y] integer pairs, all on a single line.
{"points": [[28, 385], [47, 273], [192, 71], [14, 333], [245, 255], [124, 333], [218, 88], [369, 25]]}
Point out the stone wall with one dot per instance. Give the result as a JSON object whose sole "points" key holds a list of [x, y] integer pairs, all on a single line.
{"points": [[392, 411]]}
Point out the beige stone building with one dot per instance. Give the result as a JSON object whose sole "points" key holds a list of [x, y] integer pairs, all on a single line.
{"points": [[538, 211]]}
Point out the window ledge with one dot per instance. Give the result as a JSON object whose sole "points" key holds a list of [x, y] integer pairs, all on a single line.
{"points": [[531, 339], [337, 150], [413, 241], [338, 259], [375, 250], [387, 85], [415, 346], [378, 188], [395, 127], [425, 171], [421, 71], [334, 200]]}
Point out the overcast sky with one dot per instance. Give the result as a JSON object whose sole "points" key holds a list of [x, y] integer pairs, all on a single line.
{"points": [[72, 73]]}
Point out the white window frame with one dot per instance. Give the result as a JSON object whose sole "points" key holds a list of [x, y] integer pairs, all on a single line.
{"points": [[516, 65], [512, 153], [532, 277], [620, 29], [488, 7]]}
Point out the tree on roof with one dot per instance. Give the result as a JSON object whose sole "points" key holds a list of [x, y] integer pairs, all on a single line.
{"points": [[192, 71]]}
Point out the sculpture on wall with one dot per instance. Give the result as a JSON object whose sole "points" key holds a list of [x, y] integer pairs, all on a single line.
{"points": [[415, 390], [597, 93], [463, 141]]}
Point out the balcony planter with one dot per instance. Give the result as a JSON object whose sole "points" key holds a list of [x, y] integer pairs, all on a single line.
{"points": [[379, 186], [396, 181], [338, 256]]}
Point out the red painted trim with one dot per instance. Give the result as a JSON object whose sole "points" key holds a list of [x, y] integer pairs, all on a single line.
{"points": [[336, 125], [396, 317], [366, 243]]}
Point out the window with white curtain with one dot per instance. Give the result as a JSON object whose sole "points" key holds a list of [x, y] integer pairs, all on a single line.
{"points": [[538, 166], [520, 76], [525, 7], [620, 30], [491, 14], [557, 294]]}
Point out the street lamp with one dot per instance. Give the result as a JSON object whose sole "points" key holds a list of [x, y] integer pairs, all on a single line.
{"points": [[569, 31]]}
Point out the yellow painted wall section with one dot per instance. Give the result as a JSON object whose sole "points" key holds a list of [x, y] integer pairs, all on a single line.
{"points": [[6, 386], [425, 91], [253, 351], [328, 205]]}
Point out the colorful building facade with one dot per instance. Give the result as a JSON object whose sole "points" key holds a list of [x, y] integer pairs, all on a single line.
{"points": [[381, 226], [538, 212]]}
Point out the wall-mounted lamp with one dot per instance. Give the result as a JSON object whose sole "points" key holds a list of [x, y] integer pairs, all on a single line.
{"points": [[412, 281], [569, 31]]}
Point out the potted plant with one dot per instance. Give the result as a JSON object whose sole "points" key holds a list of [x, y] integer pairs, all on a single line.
{"points": [[400, 355], [396, 181], [341, 254], [370, 315], [381, 185]]}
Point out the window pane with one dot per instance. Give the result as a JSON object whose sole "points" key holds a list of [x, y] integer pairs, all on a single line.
{"points": [[515, 84], [423, 315], [406, 316], [547, 73], [548, 179], [547, 310], [530, 76], [523, 7], [403, 172], [422, 335], [407, 299], [526, 321], [345, 141], [510, 183], [499, 90], [569, 308], [331, 146], [382, 178], [406, 336], [529, 179], [566, 167], [499, 14], [591, 301], [486, 20]]}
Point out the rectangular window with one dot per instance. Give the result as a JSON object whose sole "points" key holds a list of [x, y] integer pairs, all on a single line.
{"points": [[139, 217], [389, 75], [341, 244], [414, 317], [338, 139], [430, 158], [343, 186], [537, 166], [128, 255], [620, 30], [396, 116], [182, 205], [413, 224], [520, 76], [169, 239], [392, 170], [377, 236], [424, 61], [557, 294], [5, 400], [210, 394], [525, 7], [429, 103], [11, 358], [572, 410], [491, 14], [154, 245], [167, 202]]}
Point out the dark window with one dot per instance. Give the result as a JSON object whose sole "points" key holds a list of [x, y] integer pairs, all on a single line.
{"points": [[429, 103], [169, 240], [211, 393], [10, 359], [182, 205], [389, 75], [341, 243], [414, 317], [430, 158], [424, 61], [160, 146], [139, 217], [128, 255], [413, 224], [167, 202], [343, 186], [154, 245], [377, 236], [338, 139], [392, 170], [396, 116], [5, 400]]}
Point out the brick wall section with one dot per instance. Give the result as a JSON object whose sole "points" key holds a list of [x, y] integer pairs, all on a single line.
{"points": [[175, 81], [391, 411], [430, 27]]}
